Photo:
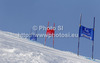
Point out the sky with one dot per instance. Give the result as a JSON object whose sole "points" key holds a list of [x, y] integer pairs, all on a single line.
{"points": [[19, 16]]}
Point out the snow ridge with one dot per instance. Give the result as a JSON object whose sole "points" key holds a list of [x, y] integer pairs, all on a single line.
{"points": [[19, 50]]}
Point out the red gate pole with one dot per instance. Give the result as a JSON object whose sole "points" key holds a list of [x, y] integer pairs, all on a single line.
{"points": [[46, 34], [53, 34], [53, 41]]}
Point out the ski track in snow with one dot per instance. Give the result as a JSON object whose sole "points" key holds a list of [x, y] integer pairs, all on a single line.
{"points": [[18, 50]]}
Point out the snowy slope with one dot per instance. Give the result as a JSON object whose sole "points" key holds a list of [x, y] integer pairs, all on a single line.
{"points": [[18, 50]]}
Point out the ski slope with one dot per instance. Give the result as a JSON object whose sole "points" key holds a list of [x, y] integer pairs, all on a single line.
{"points": [[19, 50]]}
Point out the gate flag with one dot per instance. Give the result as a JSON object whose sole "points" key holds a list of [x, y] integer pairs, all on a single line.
{"points": [[33, 37], [86, 32]]}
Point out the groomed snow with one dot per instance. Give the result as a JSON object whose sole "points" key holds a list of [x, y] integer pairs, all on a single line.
{"points": [[19, 50]]}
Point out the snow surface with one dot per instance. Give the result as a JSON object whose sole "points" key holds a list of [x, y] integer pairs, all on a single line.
{"points": [[19, 50]]}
